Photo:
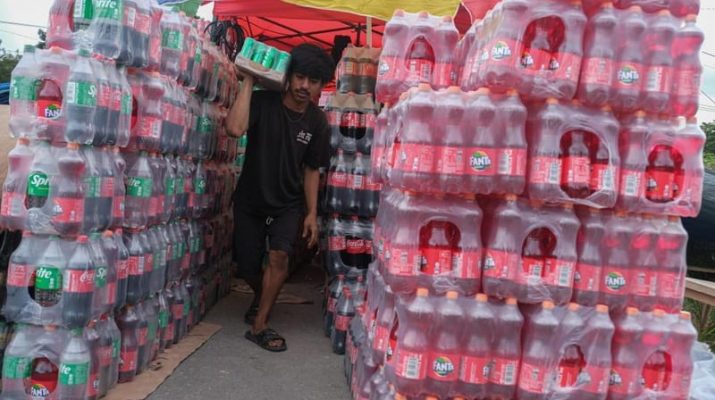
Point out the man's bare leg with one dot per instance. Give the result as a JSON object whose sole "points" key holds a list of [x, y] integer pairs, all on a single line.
{"points": [[273, 278]]}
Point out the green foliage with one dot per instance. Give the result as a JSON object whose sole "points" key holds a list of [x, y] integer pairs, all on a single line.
{"points": [[703, 320], [709, 153], [7, 64]]}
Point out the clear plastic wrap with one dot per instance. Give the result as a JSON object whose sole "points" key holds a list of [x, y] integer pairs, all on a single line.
{"points": [[429, 241], [573, 154], [529, 251], [352, 122], [418, 49], [350, 188], [266, 63], [349, 245], [147, 114], [679, 8], [662, 170], [535, 48], [357, 70]]}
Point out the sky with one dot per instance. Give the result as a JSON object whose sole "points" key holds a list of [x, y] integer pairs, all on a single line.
{"points": [[14, 37]]}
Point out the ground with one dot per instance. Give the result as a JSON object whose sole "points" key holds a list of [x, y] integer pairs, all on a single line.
{"points": [[230, 367]]}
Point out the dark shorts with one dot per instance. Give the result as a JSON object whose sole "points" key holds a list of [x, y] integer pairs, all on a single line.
{"points": [[254, 233]]}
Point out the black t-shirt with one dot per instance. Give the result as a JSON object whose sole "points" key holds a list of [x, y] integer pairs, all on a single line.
{"points": [[280, 143]]}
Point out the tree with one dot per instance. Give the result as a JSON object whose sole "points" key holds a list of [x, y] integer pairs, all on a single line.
{"points": [[709, 153], [7, 64]]}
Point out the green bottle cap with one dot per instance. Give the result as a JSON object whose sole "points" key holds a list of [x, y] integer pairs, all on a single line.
{"points": [[30, 48]]}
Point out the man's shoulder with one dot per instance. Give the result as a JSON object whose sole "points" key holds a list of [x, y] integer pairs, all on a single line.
{"points": [[318, 116]]}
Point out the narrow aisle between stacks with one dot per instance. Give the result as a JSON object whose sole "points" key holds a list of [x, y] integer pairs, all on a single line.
{"points": [[230, 367]]}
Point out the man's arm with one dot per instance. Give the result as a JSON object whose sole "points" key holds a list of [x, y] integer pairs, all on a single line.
{"points": [[311, 180], [237, 120]]}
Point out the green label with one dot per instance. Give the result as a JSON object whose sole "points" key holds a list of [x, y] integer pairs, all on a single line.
{"points": [[197, 55], [109, 9], [179, 186], [82, 93], [187, 307], [126, 104], [100, 276], [199, 186], [204, 125], [17, 367], [156, 260], [83, 10], [74, 374], [172, 39], [94, 186], [169, 186], [152, 331], [48, 277], [116, 345], [163, 319], [24, 88], [38, 184], [139, 187], [195, 245]]}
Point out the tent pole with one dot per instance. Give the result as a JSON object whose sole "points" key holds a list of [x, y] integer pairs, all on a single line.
{"points": [[369, 31]]}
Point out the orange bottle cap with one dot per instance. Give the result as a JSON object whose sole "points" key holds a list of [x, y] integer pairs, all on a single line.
{"points": [[452, 295], [422, 292], [73, 146], [548, 304], [454, 89], [423, 14], [512, 92], [482, 91], [632, 311], [664, 12], [685, 315], [481, 297], [511, 301], [510, 197], [602, 308], [424, 87], [635, 9], [447, 18], [658, 313], [552, 100], [107, 234], [691, 18], [574, 306]]}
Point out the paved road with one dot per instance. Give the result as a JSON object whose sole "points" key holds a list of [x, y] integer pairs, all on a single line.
{"points": [[230, 367]]}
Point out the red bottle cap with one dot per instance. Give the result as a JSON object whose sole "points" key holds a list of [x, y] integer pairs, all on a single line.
{"points": [[510, 197], [82, 239]]}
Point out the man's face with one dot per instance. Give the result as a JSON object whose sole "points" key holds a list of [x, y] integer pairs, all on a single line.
{"points": [[303, 88]]}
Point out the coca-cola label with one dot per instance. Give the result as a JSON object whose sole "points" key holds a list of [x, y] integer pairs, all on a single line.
{"points": [[381, 338], [503, 371], [38, 184], [403, 261], [624, 380], [576, 170], [356, 182], [545, 170], [128, 360], [333, 116], [338, 179], [355, 246], [135, 265], [658, 79], [410, 364], [632, 184], [148, 126], [78, 281], [18, 275], [104, 99], [587, 277], [122, 269], [105, 355], [74, 373], [597, 71], [342, 322], [628, 75], [511, 162], [139, 186], [475, 370], [436, 261], [67, 209], [24, 88], [12, 204], [499, 264], [172, 40], [687, 82], [603, 177], [337, 243], [81, 93], [48, 277], [142, 335], [659, 185], [533, 378], [148, 262], [443, 367], [347, 67], [16, 367]]}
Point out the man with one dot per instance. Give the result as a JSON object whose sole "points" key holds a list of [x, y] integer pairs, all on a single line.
{"points": [[288, 141]]}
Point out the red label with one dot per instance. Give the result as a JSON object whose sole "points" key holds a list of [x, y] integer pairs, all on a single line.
{"points": [[568, 375], [347, 67], [565, 66], [68, 210], [646, 282], [93, 385], [436, 261], [111, 293], [670, 284], [558, 272], [624, 381], [532, 269], [333, 117], [381, 338], [143, 23], [13, 204], [587, 277], [122, 269], [105, 356], [169, 335], [128, 361], [135, 265], [410, 364], [371, 185], [336, 243], [659, 185], [442, 75], [107, 187], [118, 207], [368, 120], [467, 264], [115, 103], [500, 264], [545, 170], [49, 109], [512, 162], [603, 177], [403, 261], [534, 61], [418, 70], [368, 68], [338, 179], [18, 275], [444, 367], [148, 262], [355, 182], [416, 157], [355, 246], [597, 71], [178, 311], [503, 51], [658, 79], [342, 322], [78, 281], [474, 370], [350, 119], [504, 372], [576, 170], [480, 161], [142, 334], [533, 378], [104, 98], [632, 184], [687, 82], [149, 126], [594, 379]]}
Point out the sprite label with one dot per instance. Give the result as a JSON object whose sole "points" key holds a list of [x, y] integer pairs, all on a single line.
{"points": [[200, 186], [172, 39], [109, 9], [204, 125], [169, 187], [83, 10], [82, 93], [163, 319], [100, 276], [16, 367], [74, 374], [94, 186], [139, 187], [38, 184], [48, 277], [116, 345], [187, 307], [126, 104], [24, 88]]}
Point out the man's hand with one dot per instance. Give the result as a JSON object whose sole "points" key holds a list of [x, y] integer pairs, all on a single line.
{"points": [[310, 229]]}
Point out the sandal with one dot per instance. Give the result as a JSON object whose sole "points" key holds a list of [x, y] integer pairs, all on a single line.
{"points": [[250, 317], [264, 339]]}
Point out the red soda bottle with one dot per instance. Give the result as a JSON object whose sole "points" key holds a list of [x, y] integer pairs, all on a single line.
{"points": [[625, 380], [633, 162], [389, 72], [506, 355], [687, 68], [604, 174], [383, 324], [545, 163], [617, 276], [12, 207], [479, 161], [538, 345], [24, 89], [81, 101], [419, 60], [659, 73], [443, 365], [449, 165], [630, 71], [416, 156], [572, 360], [467, 257], [445, 41], [512, 147], [439, 239], [502, 252], [337, 184], [69, 197], [413, 346], [680, 343], [332, 294], [61, 24], [658, 368], [670, 253], [644, 263], [683, 8], [480, 323], [55, 70], [598, 336], [79, 285], [587, 280], [565, 61], [687, 146], [43, 379], [128, 322], [576, 169], [599, 57], [660, 174], [500, 71], [536, 53]]}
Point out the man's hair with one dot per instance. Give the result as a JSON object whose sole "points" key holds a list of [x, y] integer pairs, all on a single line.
{"points": [[311, 61]]}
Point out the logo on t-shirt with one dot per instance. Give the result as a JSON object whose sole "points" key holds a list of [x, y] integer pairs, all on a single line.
{"points": [[304, 137]]}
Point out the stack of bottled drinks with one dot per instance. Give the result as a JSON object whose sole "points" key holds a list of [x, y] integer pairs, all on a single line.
{"points": [[351, 196], [528, 243], [120, 182]]}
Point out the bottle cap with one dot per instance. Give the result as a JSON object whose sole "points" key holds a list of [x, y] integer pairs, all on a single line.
{"points": [[632, 311], [511, 301], [548, 304], [399, 12], [424, 87], [399, 396], [691, 18], [23, 140], [658, 313], [606, 108], [602, 308], [640, 113], [56, 49], [73, 146], [607, 4], [574, 306], [510, 197], [454, 89], [664, 12], [635, 9], [452, 295], [82, 239], [447, 18], [481, 297], [423, 14], [107, 234], [469, 196], [685, 315], [482, 91], [119, 231], [552, 100], [422, 292], [512, 92]]}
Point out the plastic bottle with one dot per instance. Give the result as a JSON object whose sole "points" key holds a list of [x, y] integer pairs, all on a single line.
{"points": [[140, 34], [599, 58], [78, 286], [337, 184], [48, 276], [81, 101], [591, 258], [74, 368], [499, 71], [43, 170], [389, 82], [69, 202], [576, 169], [687, 68], [143, 345], [344, 311], [139, 180], [19, 276], [172, 45], [118, 166], [64, 18], [51, 95], [512, 146], [670, 253], [680, 343], [24, 91], [333, 293], [128, 322], [501, 250], [102, 129], [105, 281], [148, 250], [91, 336], [178, 308], [17, 363], [625, 382], [660, 174], [476, 347], [630, 69], [412, 348], [659, 72], [633, 162], [444, 41], [599, 335], [107, 182], [12, 209], [135, 267], [538, 342], [166, 329], [443, 367]]}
